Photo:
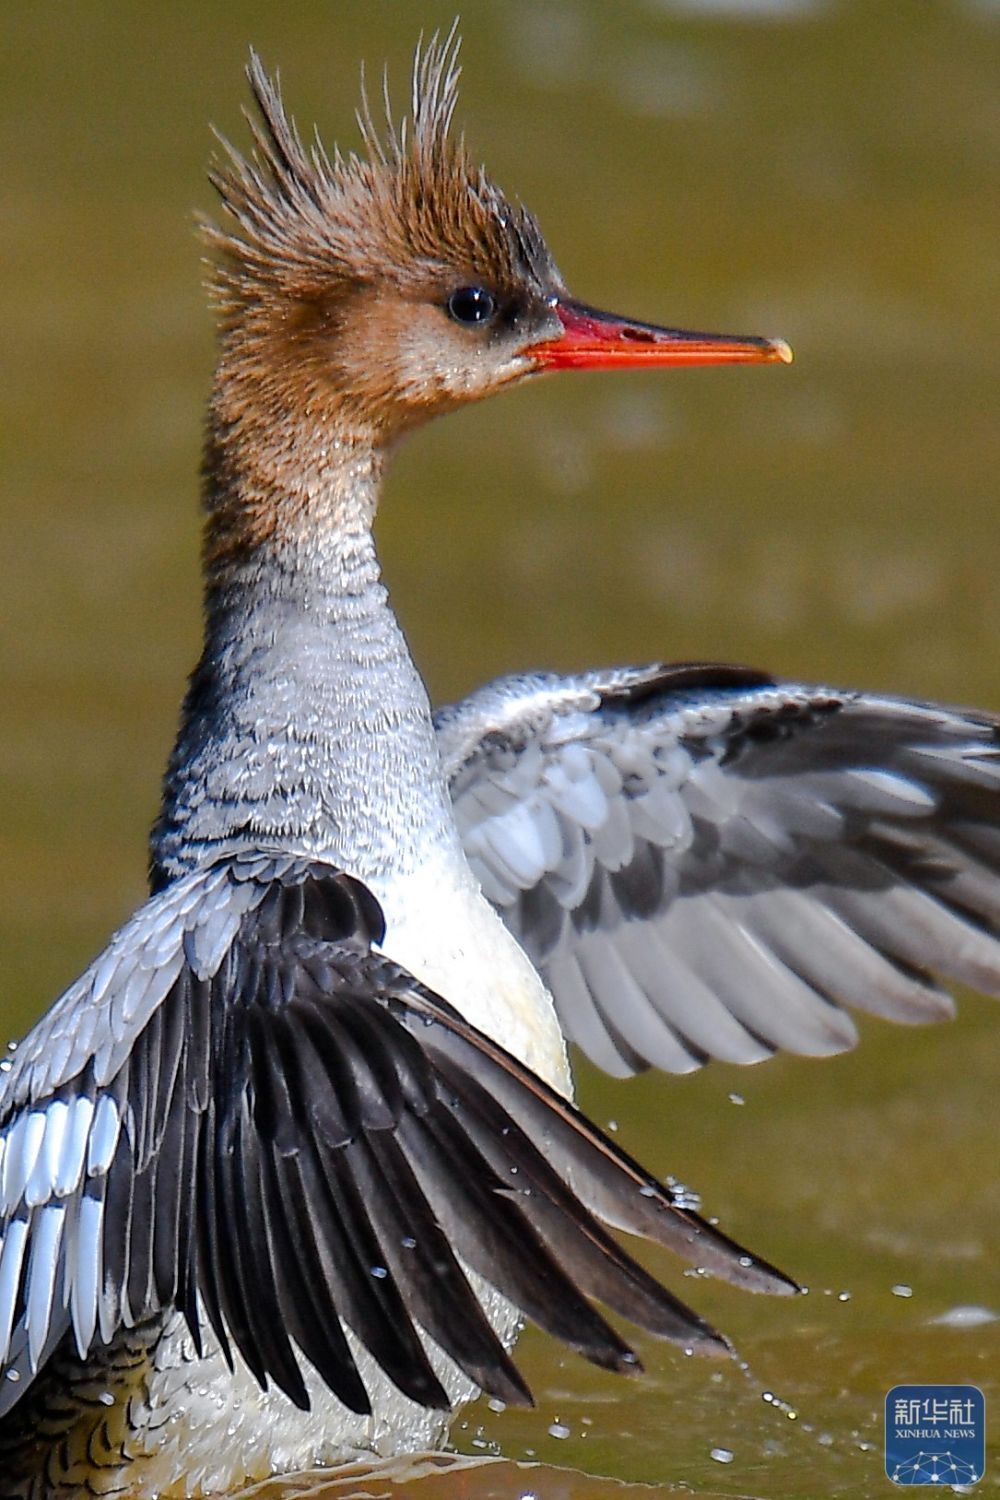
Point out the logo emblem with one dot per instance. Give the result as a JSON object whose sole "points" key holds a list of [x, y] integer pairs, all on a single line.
{"points": [[935, 1434]]}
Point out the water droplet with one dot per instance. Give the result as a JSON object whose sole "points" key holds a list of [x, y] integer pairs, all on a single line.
{"points": [[13, 1376], [843, 1296], [722, 1455], [646, 1191], [379, 1272], [612, 1126], [737, 1099], [682, 1195], [495, 1404], [780, 1405], [902, 1290], [408, 1242], [965, 1316], [746, 1260], [558, 1430], [825, 1439], [106, 1398]]}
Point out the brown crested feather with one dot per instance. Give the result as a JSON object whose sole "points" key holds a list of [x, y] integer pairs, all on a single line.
{"points": [[414, 204], [332, 282]]}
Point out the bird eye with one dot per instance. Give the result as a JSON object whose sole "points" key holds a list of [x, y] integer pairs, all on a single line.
{"points": [[472, 304]]}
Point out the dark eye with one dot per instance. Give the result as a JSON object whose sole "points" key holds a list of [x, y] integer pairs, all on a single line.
{"points": [[472, 304]]}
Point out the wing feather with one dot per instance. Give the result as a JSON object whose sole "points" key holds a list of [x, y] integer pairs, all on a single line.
{"points": [[282, 1134], [739, 859]]}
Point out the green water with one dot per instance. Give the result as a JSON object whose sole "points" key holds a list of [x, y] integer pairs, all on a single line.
{"points": [[821, 171]]}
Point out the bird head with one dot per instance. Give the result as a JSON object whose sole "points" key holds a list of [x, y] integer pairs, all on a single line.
{"points": [[400, 282]]}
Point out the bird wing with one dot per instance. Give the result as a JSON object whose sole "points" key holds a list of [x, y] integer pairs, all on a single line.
{"points": [[703, 862], [242, 1108]]}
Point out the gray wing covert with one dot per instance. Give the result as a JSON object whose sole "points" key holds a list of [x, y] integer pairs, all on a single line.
{"points": [[706, 863], [243, 1111]]}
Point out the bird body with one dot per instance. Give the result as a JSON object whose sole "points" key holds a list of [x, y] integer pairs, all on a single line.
{"points": [[308, 726], [283, 1170]]}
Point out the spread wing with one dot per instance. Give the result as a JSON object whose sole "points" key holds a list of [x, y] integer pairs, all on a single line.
{"points": [[243, 1111], [706, 863]]}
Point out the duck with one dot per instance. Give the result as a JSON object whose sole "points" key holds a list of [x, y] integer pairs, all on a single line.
{"points": [[285, 1170]]}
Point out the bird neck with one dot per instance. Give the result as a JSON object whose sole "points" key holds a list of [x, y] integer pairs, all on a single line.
{"points": [[306, 725]]}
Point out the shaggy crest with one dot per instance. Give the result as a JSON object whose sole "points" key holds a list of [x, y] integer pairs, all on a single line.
{"points": [[414, 205]]}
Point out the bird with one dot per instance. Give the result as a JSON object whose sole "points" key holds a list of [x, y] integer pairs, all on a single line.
{"points": [[285, 1169]]}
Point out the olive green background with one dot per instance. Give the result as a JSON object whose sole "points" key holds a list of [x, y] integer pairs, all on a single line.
{"points": [[826, 172]]}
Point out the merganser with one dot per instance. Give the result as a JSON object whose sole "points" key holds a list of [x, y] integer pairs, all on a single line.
{"points": [[286, 1166]]}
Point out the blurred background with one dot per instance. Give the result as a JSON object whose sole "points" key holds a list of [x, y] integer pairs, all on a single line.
{"points": [[823, 170]]}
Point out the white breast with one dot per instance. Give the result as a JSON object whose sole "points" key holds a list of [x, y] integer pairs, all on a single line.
{"points": [[441, 927]]}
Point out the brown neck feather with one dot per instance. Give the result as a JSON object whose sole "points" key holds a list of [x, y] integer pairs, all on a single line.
{"points": [[285, 475]]}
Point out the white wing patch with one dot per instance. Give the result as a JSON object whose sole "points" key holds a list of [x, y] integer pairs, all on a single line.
{"points": [[55, 1155]]}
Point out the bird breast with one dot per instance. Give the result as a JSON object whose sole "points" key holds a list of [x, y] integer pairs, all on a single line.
{"points": [[440, 927]]}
